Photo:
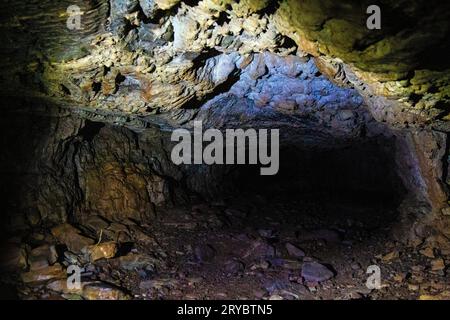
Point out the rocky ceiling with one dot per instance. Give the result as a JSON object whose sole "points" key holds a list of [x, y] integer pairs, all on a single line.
{"points": [[141, 57]]}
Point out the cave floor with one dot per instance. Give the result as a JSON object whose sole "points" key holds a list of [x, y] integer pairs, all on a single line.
{"points": [[269, 249]]}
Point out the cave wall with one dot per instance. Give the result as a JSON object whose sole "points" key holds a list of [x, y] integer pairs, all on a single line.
{"points": [[66, 168], [69, 166]]}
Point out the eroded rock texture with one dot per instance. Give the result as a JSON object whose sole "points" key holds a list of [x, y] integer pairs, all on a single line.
{"points": [[149, 55]]}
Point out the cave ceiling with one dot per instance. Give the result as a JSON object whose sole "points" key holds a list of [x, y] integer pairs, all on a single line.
{"points": [[170, 57]]}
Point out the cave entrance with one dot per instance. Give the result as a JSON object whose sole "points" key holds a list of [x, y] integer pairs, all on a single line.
{"points": [[333, 187]]}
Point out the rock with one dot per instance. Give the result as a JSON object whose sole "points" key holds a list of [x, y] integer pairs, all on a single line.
{"points": [[259, 293], [71, 258], [204, 253], [103, 291], [42, 257], [96, 223], [294, 251], [37, 263], [264, 265], [105, 250], [221, 295], [441, 296], [44, 274], [61, 287], [345, 115], [291, 264], [356, 266], [439, 241], [258, 249], [390, 256], [71, 237], [158, 284], [118, 232], [316, 272], [267, 233], [13, 258], [143, 238], [413, 287], [132, 262], [37, 237], [437, 264], [34, 217], [233, 267], [446, 211], [428, 252], [275, 285], [399, 277], [194, 281]]}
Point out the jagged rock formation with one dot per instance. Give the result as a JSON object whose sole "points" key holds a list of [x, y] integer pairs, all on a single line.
{"points": [[146, 47]]}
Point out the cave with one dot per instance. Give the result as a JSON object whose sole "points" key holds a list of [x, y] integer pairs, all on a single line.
{"points": [[94, 103]]}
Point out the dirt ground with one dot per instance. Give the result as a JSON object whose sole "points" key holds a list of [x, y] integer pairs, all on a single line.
{"points": [[241, 249]]}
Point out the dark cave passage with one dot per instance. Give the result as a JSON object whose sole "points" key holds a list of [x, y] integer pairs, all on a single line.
{"points": [[363, 172], [322, 188]]}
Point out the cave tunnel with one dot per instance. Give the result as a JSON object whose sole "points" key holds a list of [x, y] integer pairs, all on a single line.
{"points": [[89, 177]]}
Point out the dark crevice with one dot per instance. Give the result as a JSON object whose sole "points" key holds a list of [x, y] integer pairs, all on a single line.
{"points": [[96, 87], [415, 98], [287, 43], [223, 18], [201, 58], [65, 90], [90, 130], [221, 88], [118, 80], [271, 7]]}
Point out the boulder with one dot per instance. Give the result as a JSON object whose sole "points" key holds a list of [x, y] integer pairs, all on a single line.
{"points": [[104, 250], [71, 237]]}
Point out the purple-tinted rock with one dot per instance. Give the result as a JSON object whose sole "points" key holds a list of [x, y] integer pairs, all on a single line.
{"points": [[316, 272], [203, 253], [294, 251]]}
